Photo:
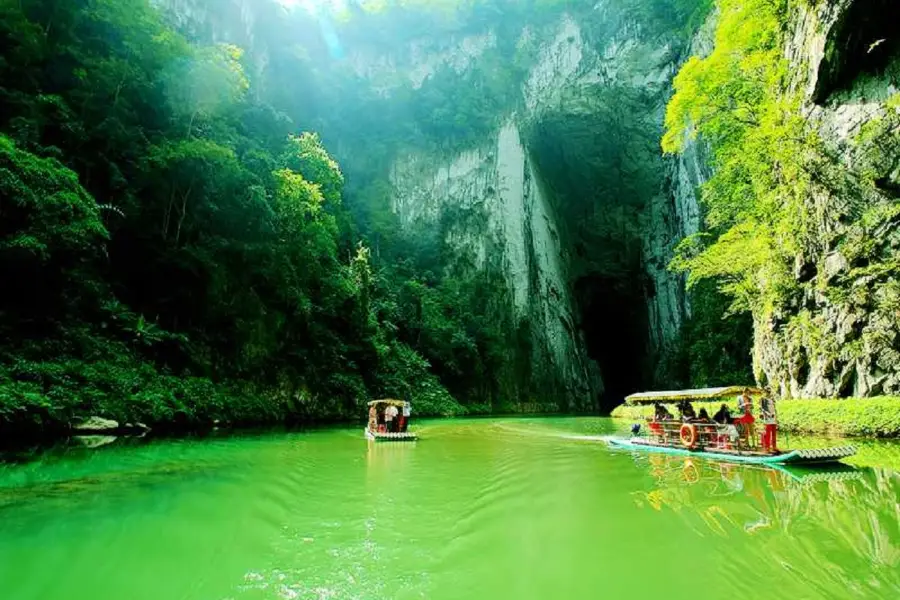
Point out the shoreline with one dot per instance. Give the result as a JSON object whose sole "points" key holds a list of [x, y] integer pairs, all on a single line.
{"points": [[861, 418], [60, 432], [867, 418]]}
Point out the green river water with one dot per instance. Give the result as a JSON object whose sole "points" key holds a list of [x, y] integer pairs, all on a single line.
{"points": [[514, 508]]}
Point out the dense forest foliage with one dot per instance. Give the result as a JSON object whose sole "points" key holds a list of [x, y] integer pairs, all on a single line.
{"points": [[174, 251]]}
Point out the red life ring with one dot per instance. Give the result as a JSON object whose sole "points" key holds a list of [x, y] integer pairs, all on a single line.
{"points": [[688, 435]]}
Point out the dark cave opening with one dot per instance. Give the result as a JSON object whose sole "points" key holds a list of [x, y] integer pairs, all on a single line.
{"points": [[864, 40], [601, 168], [614, 322]]}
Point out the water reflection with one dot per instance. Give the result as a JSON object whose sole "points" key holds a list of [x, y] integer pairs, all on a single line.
{"points": [[386, 458], [853, 513]]}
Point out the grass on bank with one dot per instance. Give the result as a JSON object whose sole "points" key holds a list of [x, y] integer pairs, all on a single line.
{"points": [[849, 417]]}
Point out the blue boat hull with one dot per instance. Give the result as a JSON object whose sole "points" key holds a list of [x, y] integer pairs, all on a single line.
{"points": [[815, 456]]}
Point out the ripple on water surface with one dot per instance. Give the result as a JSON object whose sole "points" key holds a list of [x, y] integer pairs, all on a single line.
{"points": [[476, 509]]}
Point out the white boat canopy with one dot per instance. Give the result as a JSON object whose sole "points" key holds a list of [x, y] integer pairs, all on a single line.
{"points": [[387, 402], [701, 394]]}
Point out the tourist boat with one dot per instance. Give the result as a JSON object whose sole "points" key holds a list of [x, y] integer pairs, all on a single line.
{"points": [[708, 439], [377, 432]]}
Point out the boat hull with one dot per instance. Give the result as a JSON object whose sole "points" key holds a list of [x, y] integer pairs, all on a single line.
{"points": [[815, 456], [406, 436]]}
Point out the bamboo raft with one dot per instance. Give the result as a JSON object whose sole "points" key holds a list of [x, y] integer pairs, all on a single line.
{"points": [[705, 438], [814, 456]]}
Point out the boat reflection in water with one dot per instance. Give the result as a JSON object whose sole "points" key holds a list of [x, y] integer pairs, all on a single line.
{"points": [[837, 527]]}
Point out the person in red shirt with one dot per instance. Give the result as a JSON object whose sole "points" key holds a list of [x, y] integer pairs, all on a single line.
{"points": [[770, 418]]}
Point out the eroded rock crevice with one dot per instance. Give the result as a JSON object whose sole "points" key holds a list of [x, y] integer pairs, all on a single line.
{"points": [[862, 41], [602, 171]]}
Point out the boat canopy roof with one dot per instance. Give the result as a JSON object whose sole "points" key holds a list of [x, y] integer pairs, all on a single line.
{"points": [[701, 394], [387, 401]]}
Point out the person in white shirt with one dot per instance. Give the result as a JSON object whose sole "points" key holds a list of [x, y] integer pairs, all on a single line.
{"points": [[404, 420], [389, 413]]}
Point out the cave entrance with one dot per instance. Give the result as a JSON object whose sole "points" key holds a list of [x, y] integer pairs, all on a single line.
{"points": [[601, 167], [614, 321], [863, 41]]}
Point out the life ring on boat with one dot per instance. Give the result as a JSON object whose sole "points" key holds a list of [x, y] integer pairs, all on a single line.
{"points": [[688, 435]]}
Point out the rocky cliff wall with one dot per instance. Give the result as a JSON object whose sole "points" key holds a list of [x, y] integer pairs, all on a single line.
{"points": [[516, 229], [521, 231], [675, 214], [839, 336], [512, 219], [842, 336]]}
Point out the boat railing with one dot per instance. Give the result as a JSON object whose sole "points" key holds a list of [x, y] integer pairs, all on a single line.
{"points": [[701, 435]]}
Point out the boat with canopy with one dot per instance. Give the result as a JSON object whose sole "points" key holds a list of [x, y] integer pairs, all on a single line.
{"points": [[721, 437], [389, 421]]}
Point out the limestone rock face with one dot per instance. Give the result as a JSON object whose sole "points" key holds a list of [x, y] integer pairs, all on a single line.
{"points": [[515, 231], [839, 337], [842, 337], [517, 228], [673, 215]]}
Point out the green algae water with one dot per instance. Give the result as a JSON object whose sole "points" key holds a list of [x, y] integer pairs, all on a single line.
{"points": [[476, 509]]}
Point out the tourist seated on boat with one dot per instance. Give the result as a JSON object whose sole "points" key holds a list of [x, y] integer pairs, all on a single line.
{"points": [[703, 416], [723, 416], [661, 413], [687, 411], [373, 418]]}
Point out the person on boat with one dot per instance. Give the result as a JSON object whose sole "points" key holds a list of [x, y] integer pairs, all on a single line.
{"points": [[404, 417], [661, 413], [655, 423], [770, 418], [745, 407], [703, 416], [723, 416], [687, 411], [373, 418], [390, 414]]}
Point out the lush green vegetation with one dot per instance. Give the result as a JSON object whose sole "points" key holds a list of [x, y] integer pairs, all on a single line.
{"points": [[181, 255], [735, 99], [863, 417], [182, 252], [714, 346], [777, 188], [186, 255]]}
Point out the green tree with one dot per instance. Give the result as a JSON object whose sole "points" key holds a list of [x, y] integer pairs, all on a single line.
{"points": [[736, 100]]}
